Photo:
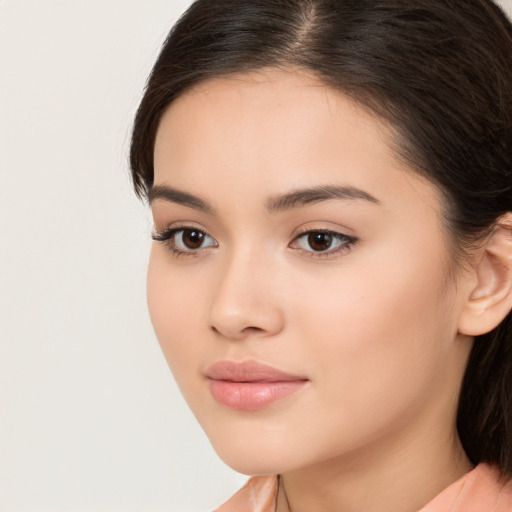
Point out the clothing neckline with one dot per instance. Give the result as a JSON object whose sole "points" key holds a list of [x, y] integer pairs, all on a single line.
{"points": [[483, 489]]}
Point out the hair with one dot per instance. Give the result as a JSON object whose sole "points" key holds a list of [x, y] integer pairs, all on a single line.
{"points": [[438, 71]]}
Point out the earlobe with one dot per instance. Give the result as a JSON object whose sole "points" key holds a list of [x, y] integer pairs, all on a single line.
{"points": [[490, 299]]}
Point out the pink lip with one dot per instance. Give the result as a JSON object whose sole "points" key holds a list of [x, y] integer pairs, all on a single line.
{"points": [[249, 385]]}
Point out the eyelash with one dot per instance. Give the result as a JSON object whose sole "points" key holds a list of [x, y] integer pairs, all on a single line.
{"points": [[167, 237], [346, 243]]}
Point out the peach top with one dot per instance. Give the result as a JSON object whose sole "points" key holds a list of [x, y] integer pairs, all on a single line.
{"points": [[480, 490]]}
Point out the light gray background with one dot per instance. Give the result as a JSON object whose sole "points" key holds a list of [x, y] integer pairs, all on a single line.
{"points": [[90, 418]]}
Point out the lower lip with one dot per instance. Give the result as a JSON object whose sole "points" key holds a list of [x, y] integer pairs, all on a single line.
{"points": [[251, 396]]}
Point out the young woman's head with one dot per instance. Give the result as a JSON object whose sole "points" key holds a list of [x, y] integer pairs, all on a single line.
{"points": [[330, 184]]}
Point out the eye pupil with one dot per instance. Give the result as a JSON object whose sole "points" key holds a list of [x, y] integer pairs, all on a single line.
{"points": [[192, 238], [320, 241]]}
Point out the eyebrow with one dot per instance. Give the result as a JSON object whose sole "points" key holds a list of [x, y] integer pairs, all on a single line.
{"points": [[289, 201], [308, 196], [174, 195]]}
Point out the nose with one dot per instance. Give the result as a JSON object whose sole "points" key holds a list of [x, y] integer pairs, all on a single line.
{"points": [[245, 301]]}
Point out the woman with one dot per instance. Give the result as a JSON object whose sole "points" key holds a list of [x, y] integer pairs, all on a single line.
{"points": [[331, 274]]}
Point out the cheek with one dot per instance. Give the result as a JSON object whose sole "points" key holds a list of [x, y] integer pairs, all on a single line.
{"points": [[380, 331], [173, 308]]}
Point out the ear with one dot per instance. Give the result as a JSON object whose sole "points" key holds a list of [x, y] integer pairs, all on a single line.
{"points": [[490, 299]]}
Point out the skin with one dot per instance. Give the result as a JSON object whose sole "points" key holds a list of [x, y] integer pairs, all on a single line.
{"points": [[373, 326]]}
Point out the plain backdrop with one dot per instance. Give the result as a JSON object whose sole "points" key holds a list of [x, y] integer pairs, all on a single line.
{"points": [[90, 418]]}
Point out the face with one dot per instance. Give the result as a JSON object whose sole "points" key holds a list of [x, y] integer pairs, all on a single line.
{"points": [[299, 279]]}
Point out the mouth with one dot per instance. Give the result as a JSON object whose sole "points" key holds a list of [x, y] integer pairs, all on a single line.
{"points": [[249, 385]]}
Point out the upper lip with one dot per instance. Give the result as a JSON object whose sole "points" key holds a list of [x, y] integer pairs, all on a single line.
{"points": [[248, 371]]}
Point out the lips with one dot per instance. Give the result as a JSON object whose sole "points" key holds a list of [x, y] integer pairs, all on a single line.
{"points": [[249, 385]]}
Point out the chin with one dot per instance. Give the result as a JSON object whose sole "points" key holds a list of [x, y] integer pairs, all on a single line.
{"points": [[246, 464], [253, 455]]}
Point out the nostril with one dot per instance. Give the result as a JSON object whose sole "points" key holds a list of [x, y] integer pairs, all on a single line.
{"points": [[247, 331], [234, 315], [252, 330]]}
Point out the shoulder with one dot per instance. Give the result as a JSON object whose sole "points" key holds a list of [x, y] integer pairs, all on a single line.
{"points": [[481, 490], [259, 494]]}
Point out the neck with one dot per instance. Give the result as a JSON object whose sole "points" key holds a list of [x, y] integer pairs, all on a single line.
{"points": [[402, 477]]}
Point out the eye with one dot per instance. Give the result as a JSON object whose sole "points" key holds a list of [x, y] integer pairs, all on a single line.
{"points": [[185, 240], [325, 242]]}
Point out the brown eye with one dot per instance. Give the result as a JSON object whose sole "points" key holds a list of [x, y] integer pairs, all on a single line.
{"points": [[181, 241], [192, 238], [320, 240], [323, 243]]}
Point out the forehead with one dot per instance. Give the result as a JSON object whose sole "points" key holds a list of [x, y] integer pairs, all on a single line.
{"points": [[274, 129], [268, 89], [286, 105]]}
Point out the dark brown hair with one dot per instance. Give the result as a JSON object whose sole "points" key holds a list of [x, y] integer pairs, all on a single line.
{"points": [[438, 71]]}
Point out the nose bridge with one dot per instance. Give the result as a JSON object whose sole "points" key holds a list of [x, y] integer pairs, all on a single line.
{"points": [[243, 302]]}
